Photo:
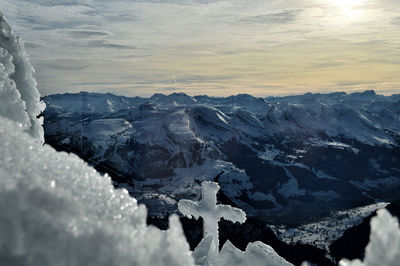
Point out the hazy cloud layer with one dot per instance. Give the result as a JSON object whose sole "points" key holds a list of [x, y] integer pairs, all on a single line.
{"points": [[281, 17], [88, 33], [215, 47]]}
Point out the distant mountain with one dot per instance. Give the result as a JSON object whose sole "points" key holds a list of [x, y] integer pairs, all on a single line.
{"points": [[282, 159]]}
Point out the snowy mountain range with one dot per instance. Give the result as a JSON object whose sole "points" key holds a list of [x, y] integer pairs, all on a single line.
{"points": [[57, 210], [274, 157]]}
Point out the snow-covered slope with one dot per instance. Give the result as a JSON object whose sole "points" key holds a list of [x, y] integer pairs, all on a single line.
{"points": [[274, 157], [323, 233]]}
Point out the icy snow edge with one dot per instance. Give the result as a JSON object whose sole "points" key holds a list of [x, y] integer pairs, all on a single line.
{"points": [[19, 96]]}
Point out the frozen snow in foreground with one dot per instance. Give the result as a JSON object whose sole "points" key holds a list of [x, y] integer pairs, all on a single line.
{"points": [[384, 242], [19, 97], [57, 210]]}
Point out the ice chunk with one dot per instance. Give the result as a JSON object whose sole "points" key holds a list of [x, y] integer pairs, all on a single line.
{"points": [[384, 244], [57, 210], [205, 253], [19, 96], [211, 213], [256, 254]]}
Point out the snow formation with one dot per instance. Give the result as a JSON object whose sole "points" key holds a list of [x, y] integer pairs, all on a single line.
{"points": [[256, 254], [19, 96], [384, 244]]}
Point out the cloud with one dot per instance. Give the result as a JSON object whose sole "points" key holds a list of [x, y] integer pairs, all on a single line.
{"points": [[51, 3], [107, 44], [88, 33], [204, 79], [64, 67], [352, 83], [31, 45], [45, 18], [61, 64], [135, 56], [396, 21], [328, 64], [272, 18], [210, 45], [97, 83]]}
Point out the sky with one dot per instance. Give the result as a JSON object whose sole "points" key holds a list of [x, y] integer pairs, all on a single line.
{"points": [[213, 47]]}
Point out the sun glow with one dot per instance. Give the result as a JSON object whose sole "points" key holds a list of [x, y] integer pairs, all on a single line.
{"points": [[351, 9]]}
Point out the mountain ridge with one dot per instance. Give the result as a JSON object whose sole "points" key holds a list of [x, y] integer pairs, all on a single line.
{"points": [[276, 153]]}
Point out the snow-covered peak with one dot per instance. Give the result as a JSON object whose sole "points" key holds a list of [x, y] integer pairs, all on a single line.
{"points": [[174, 99], [365, 117], [368, 95], [89, 103]]}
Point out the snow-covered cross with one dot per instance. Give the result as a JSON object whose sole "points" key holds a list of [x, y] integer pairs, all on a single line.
{"points": [[211, 213]]}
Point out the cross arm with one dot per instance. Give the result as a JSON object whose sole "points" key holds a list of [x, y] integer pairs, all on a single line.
{"points": [[189, 208], [231, 213]]}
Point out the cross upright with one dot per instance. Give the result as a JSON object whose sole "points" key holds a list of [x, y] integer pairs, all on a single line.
{"points": [[211, 213]]}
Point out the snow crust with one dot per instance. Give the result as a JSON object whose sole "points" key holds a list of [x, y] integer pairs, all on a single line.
{"points": [[19, 96], [57, 210], [384, 245], [256, 254]]}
